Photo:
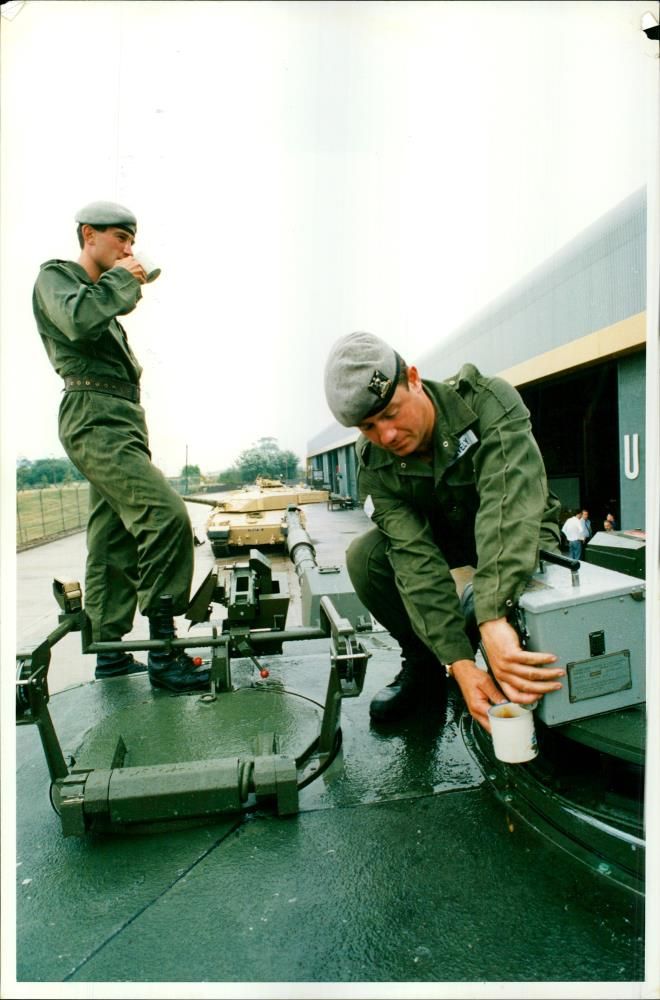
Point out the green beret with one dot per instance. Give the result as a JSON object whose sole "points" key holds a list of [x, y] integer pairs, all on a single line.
{"points": [[361, 376], [107, 213]]}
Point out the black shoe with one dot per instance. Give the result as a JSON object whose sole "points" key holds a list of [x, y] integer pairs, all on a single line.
{"points": [[172, 669], [416, 684], [120, 665], [177, 673]]}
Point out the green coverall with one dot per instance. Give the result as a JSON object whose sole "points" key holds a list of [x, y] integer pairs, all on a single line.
{"points": [[139, 536], [483, 502]]}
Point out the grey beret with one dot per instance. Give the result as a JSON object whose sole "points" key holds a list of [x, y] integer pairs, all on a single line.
{"points": [[107, 213], [361, 376]]}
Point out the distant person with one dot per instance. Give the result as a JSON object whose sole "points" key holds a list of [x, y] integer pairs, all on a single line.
{"points": [[572, 531], [607, 525], [612, 522], [139, 536], [586, 527], [451, 476]]}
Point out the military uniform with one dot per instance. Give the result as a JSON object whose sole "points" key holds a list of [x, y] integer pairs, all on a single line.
{"points": [[139, 534], [483, 502]]}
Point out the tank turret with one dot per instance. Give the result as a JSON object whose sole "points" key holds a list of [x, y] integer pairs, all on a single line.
{"points": [[256, 514]]}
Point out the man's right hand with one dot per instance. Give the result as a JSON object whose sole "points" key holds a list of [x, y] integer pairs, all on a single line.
{"points": [[130, 264], [478, 689], [524, 676]]}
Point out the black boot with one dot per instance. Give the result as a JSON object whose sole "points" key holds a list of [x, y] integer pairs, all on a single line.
{"points": [[117, 665], [418, 683], [172, 669]]}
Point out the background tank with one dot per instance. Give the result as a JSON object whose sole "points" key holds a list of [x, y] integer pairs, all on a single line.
{"points": [[256, 515]]}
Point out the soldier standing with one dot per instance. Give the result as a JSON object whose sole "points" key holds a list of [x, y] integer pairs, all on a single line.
{"points": [[139, 536]]}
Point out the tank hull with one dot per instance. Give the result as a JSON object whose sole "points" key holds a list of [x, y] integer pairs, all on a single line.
{"points": [[389, 872], [383, 875], [255, 516]]}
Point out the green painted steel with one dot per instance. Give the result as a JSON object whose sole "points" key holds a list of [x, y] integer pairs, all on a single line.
{"points": [[385, 874], [408, 856]]}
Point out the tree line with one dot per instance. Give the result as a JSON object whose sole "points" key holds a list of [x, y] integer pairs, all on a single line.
{"points": [[45, 472], [264, 458]]}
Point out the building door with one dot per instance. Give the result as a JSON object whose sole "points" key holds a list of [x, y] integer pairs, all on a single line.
{"points": [[575, 421]]}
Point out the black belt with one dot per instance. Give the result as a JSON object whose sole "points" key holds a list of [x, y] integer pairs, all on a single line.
{"points": [[93, 383]]}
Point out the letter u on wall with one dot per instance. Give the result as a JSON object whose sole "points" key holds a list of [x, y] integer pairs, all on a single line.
{"points": [[631, 461]]}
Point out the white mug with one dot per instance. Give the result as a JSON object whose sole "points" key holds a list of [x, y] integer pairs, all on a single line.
{"points": [[151, 270], [512, 729]]}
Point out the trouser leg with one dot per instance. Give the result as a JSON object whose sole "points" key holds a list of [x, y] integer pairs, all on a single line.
{"points": [[110, 585], [372, 576], [421, 680], [140, 537], [106, 439], [111, 576]]}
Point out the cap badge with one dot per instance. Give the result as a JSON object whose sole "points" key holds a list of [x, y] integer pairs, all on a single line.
{"points": [[380, 384]]}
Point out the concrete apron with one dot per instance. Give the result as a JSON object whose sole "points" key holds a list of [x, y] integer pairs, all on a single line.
{"points": [[400, 865]]}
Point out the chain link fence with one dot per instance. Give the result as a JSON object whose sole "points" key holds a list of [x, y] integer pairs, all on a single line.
{"points": [[43, 515], [51, 512]]}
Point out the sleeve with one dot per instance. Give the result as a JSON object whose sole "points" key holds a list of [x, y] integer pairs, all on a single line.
{"points": [[513, 492], [422, 575], [81, 311]]}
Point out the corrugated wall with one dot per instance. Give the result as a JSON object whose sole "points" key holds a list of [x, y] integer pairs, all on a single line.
{"points": [[595, 281]]}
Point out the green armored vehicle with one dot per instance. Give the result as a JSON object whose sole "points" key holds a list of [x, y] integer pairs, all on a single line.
{"points": [[264, 831]]}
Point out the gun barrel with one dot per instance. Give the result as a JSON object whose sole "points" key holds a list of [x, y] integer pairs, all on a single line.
{"points": [[299, 544], [204, 500], [317, 582]]}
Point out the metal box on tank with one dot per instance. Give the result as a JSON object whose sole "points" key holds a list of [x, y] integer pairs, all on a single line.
{"points": [[595, 627]]}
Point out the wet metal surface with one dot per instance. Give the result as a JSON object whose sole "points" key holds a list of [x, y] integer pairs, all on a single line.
{"points": [[385, 892], [388, 873], [164, 730], [380, 877]]}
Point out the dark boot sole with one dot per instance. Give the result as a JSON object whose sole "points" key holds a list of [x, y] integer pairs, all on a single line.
{"points": [[193, 688], [135, 668]]}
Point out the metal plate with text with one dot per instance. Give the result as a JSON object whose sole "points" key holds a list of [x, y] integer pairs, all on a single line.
{"points": [[599, 675]]}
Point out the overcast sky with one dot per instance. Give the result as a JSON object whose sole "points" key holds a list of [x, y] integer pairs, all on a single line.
{"points": [[301, 170]]}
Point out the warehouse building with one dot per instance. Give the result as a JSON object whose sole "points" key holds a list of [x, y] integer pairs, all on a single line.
{"points": [[571, 337]]}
